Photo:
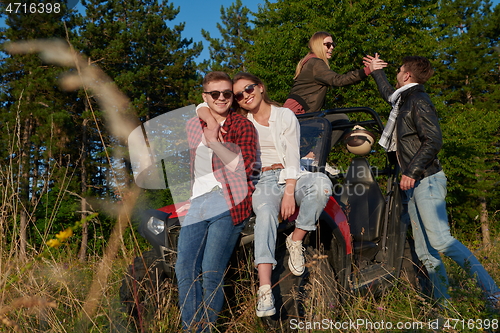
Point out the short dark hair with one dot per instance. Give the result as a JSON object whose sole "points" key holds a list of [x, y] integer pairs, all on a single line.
{"points": [[215, 77], [419, 67]]}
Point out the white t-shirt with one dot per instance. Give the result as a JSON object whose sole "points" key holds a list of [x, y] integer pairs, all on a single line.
{"points": [[267, 150], [204, 178]]}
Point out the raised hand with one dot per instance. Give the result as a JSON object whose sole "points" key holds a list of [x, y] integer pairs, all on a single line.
{"points": [[374, 63]]}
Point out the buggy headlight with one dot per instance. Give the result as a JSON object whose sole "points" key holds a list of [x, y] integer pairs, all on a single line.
{"points": [[155, 225]]}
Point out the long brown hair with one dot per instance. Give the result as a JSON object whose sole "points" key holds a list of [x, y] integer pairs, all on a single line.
{"points": [[256, 80], [315, 48]]}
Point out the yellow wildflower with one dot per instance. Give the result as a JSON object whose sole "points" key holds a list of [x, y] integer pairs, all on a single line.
{"points": [[54, 243], [65, 234]]}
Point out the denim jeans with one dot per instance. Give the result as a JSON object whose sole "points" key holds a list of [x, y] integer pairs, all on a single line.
{"points": [[311, 194], [431, 231], [205, 246]]}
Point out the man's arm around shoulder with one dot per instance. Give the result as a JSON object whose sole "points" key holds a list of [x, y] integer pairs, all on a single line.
{"points": [[246, 139]]}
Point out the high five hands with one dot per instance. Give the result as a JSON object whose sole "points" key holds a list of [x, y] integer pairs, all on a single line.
{"points": [[374, 63]]}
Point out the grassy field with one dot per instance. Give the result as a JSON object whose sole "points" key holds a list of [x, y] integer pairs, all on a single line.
{"points": [[50, 293]]}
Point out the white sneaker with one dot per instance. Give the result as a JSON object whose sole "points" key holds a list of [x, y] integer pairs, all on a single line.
{"points": [[265, 302], [296, 260]]}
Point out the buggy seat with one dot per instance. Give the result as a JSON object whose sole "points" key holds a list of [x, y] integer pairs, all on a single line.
{"points": [[364, 206]]}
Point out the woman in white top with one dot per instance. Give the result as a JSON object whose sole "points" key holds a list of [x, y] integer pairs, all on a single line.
{"points": [[281, 186]]}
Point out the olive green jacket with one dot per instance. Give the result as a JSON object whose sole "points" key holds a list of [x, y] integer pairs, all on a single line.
{"points": [[309, 88]]}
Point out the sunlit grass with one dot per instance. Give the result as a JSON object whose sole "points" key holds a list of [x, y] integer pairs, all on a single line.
{"points": [[47, 294]]}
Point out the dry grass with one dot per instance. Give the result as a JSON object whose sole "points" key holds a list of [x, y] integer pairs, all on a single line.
{"points": [[51, 295]]}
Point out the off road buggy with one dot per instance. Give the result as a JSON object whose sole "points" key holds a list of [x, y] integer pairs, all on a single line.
{"points": [[361, 234]]}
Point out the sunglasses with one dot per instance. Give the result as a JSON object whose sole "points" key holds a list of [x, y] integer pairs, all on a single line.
{"points": [[248, 89], [215, 94], [329, 45]]}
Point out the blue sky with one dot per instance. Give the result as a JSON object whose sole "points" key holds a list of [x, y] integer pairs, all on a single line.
{"points": [[203, 14]]}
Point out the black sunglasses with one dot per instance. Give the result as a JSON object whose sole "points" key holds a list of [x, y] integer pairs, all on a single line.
{"points": [[248, 89], [215, 94], [328, 45]]}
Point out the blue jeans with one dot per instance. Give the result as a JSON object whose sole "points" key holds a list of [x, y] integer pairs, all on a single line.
{"points": [[204, 248], [431, 231], [311, 194]]}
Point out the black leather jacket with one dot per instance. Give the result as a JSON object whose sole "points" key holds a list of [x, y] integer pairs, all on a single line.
{"points": [[419, 137]]}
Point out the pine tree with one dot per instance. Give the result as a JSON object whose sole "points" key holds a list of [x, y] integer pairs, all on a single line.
{"points": [[468, 158], [467, 65], [148, 60], [457, 36], [37, 122], [467, 85], [229, 54]]}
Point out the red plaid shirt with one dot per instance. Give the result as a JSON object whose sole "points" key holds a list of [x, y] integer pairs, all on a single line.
{"points": [[241, 138]]}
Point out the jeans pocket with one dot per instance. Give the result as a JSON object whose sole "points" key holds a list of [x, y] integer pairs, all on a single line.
{"points": [[437, 185]]}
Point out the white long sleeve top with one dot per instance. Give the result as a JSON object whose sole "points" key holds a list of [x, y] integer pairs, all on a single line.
{"points": [[285, 130]]}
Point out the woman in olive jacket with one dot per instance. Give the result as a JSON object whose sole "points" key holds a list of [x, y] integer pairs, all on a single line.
{"points": [[313, 76]]}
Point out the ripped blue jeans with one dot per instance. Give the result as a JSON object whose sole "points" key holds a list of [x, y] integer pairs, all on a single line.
{"points": [[311, 195]]}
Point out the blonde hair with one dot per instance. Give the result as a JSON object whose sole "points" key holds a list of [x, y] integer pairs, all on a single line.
{"points": [[315, 47]]}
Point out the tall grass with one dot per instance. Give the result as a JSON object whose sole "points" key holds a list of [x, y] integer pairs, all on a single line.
{"points": [[51, 294]]}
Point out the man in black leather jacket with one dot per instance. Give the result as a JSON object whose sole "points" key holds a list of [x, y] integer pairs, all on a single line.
{"points": [[413, 133]]}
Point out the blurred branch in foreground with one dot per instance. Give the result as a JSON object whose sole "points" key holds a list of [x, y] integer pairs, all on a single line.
{"points": [[121, 121]]}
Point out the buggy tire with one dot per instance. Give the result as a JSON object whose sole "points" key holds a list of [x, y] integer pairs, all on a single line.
{"points": [[142, 281], [322, 289]]}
